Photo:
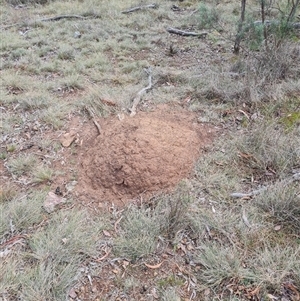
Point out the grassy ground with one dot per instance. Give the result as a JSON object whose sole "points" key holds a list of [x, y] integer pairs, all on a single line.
{"points": [[198, 243]]}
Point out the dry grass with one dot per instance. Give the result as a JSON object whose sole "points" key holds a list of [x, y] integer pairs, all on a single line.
{"points": [[267, 148], [23, 164], [140, 230], [228, 246], [281, 201]]}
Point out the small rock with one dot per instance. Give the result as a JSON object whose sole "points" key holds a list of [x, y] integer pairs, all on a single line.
{"points": [[72, 293], [70, 186], [52, 200], [67, 139]]}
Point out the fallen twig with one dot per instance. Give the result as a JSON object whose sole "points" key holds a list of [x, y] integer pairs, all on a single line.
{"points": [[139, 8], [97, 126], [187, 33], [56, 18], [245, 219], [156, 266], [104, 256], [116, 224], [138, 97], [12, 241], [293, 178], [92, 115]]}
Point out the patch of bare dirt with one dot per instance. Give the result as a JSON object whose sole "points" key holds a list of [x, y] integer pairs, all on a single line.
{"points": [[141, 155]]}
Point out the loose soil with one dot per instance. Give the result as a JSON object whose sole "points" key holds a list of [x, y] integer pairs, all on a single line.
{"points": [[141, 155]]}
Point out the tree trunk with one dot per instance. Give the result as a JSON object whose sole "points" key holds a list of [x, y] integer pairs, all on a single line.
{"points": [[263, 17], [238, 38], [293, 10]]}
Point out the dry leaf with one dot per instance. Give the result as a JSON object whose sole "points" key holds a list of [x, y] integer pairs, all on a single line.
{"points": [[106, 233], [116, 271], [64, 240], [277, 228], [189, 247], [153, 266], [109, 102], [181, 247], [272, 297], [125, 264], [67, 139], [244, 155]]}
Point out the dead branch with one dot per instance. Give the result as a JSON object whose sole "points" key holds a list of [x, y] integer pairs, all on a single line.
{"points": [[139, 8], [92, 115], [245, 219], [55, 18], [187, 33], [267, 23], [138, 97], [293, 178], [97, 126]]}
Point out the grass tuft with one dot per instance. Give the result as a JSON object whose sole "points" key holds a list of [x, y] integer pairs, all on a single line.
{"points": [[69, 236], [173, 210], [21, 213], [23, 164], [54, 115], [266, 149], [140, 230], [274, 265], [282, 203], [220, 265], [42, 174], [170, 294], [47, 280], [7, 192]]}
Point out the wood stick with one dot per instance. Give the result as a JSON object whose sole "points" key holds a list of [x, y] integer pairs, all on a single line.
{"points": [[55, 18], [138, 97], [293, 178], [92, 115], [97, 126], [139, 8], [186, 33]]}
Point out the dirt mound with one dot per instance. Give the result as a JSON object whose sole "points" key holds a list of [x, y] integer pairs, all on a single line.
{"points": [[141, 155]]}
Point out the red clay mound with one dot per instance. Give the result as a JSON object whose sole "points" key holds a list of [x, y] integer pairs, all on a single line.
{"points": [[143, 154]]}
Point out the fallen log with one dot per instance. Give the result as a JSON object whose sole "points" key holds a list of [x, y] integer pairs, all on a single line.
{"points": [[187, 33]]}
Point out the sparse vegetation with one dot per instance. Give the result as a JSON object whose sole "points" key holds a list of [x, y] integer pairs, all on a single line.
{"points": [[197, 242]]}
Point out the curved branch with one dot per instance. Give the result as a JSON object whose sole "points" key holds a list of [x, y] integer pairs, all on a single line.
{"points": [[137, 99]]}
